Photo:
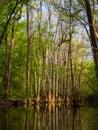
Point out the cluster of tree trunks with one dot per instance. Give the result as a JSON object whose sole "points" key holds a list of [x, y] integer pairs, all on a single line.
{"points": [[53, 87]]}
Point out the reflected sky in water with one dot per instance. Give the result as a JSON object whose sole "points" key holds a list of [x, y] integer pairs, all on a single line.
{"points": [[49, 117]]}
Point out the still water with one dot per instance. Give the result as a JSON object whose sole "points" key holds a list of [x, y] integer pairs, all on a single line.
{"points": [[49, 117]]}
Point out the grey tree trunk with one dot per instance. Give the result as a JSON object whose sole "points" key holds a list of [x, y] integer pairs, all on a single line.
{"points": [[28, 54]]}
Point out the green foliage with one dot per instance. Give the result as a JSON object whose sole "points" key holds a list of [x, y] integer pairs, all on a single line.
{"points": [[89, 84], [92, 79], [47, 67]]}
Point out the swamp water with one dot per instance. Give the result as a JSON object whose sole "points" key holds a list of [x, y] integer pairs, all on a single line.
{"points": [[49, 117]]}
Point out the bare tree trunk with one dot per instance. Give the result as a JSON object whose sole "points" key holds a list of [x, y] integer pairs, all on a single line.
{"points": [[28, 54], [67, 79], [70, 55], [50, 60], [44, 73], [7, 89], [57, 77], [39, 82], [4, 79], [35, 84], [94, 38], [39, 13], [50, 83]]}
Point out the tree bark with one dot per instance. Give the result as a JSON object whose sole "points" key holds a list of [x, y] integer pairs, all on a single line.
{"points": [[28, 54], [93, 37], [7, 89]]}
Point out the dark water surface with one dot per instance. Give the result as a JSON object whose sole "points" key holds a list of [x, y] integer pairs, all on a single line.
{"points": [[50, 117]]}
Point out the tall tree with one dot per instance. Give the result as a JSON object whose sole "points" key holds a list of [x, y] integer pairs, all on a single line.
{"points": [[7, 89], [93, 37], [28, 53]]}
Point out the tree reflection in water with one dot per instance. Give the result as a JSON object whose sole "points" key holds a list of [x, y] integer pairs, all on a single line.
{"points": [[49, 117]]}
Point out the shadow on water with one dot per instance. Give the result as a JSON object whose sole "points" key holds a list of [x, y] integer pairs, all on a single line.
{"points": [[49, 117]]}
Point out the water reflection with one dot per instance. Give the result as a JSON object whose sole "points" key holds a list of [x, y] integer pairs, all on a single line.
{"points": [[49, 117]]}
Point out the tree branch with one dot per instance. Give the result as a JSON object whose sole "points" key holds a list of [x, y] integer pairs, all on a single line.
{"points": [[2, 35]]}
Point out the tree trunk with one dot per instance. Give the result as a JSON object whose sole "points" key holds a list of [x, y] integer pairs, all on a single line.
{"points": [[93, 37], [7, 89], [28, 54], [70, 55]]}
